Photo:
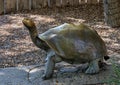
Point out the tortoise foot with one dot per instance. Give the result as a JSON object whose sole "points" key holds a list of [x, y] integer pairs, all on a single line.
{"points": [[93, 67]]}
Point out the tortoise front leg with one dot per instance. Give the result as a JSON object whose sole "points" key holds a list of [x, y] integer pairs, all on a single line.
{"points": [[49, 68], [50, 64]]}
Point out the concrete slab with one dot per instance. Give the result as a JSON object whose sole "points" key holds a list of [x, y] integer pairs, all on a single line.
{"points": [[31, 75], [14, 76]]}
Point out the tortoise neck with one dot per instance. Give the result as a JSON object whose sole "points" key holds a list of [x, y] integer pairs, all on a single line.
{"points": [[37, 41], [33, 35]]}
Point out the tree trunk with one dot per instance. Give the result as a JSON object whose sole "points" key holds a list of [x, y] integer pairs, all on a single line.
{"points": [[112, 12]]}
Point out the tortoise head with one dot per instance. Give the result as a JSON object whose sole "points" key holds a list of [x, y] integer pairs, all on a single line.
{"points": [[28, 23]]}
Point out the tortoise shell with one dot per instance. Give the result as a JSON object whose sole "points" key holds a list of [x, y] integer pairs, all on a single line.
{"points": [[71, 41]]}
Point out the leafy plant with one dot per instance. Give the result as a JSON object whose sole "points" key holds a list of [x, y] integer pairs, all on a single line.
{"points": [[115, 78]]}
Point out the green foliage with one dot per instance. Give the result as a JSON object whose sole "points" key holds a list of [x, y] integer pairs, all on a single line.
{"points": [[115, 78]]}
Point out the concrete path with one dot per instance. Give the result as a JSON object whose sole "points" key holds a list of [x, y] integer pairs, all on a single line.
{"points": [[20, 75], [14, 76], [30, 75]]}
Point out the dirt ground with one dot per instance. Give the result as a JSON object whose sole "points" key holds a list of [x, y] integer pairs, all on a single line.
{"points": [[16, 47]]}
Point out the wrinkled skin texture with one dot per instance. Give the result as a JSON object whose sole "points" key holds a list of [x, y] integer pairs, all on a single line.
{"points": [[71, 43]]}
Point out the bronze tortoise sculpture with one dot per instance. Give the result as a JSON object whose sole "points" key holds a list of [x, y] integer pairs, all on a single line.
{"points": [[75, 44]]}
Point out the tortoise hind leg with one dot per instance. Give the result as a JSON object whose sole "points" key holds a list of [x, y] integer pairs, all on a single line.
{"points": [[93, 67]]}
